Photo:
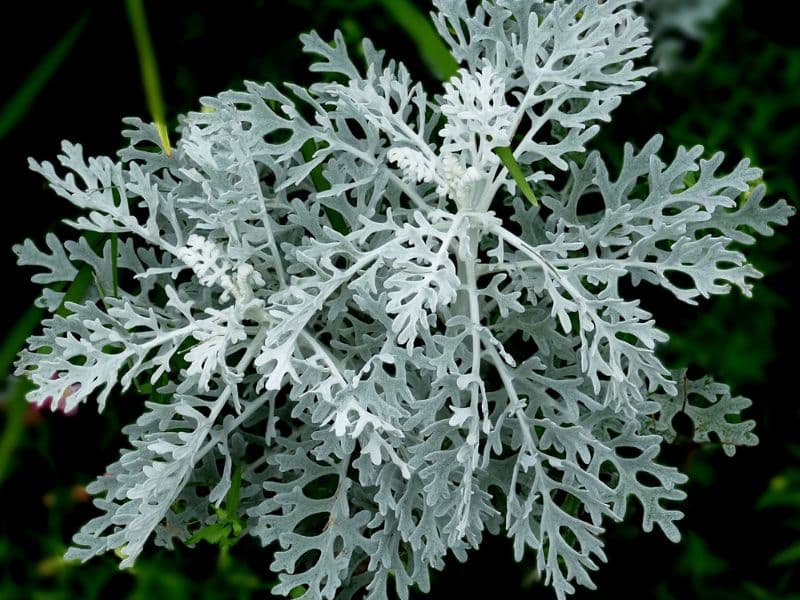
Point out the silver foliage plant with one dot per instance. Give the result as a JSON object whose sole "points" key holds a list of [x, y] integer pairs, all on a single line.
{"points": [[345, 306]]}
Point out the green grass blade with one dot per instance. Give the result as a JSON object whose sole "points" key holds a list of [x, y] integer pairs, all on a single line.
{"points": [[149, 69], [15, 339], [419, 28], [15, 109], [16, 409], [509, 162]]}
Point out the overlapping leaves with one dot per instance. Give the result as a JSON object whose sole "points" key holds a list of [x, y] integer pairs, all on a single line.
{"points": [[396, 363]]}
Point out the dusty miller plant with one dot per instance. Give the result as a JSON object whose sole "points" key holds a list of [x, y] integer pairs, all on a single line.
{"points": [[376, 324]]}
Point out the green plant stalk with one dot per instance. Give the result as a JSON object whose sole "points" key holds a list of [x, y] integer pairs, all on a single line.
{"points": [[418, 26], [114, 270], [20, 103], [149, 70]]}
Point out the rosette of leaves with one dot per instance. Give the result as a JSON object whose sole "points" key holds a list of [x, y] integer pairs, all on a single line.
{"points": [[396, 317]]}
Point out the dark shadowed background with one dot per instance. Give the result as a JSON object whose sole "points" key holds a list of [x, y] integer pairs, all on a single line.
{"points": [[737, 91]]}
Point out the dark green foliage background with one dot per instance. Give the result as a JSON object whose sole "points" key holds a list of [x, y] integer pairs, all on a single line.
{"points": [[740, 93]]}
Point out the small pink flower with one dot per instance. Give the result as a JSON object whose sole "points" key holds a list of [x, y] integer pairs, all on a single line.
{"points": [[61, 405]]}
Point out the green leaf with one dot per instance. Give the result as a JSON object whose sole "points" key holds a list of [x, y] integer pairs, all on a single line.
{"points": [[232, 498], [783, 491], [787, 556], [419, 28], [210, 533], [21, 102], [228, 528], [698, 560], [509, 162]]}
